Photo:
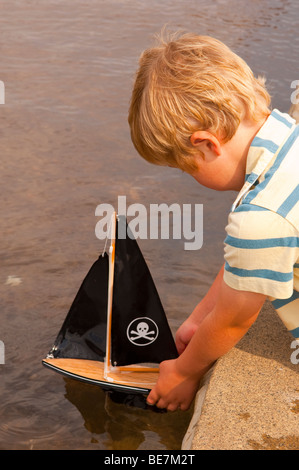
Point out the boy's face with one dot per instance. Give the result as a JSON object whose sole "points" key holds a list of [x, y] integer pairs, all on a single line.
{"points": [[218, 176], [217, 167], [222, 165]]}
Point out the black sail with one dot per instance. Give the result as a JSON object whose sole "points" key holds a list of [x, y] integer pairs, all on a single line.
{"points": [[140, 331], [83, 333]]}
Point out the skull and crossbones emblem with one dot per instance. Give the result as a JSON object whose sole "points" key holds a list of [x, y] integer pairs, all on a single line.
{"points": [[142, 331]]}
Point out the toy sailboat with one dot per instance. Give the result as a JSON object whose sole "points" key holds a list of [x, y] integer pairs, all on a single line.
{"points": [[116, 332]]}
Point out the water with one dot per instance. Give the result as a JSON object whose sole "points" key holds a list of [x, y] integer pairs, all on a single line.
{"points": [[68, 69]]}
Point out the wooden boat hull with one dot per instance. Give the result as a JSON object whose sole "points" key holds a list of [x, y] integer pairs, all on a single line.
{"points": [[92, 372]]}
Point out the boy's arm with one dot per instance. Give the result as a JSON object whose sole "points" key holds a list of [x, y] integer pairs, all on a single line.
{"points": [[233, 314], [188, 328]]}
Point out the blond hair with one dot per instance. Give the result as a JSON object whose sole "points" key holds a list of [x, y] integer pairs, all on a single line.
{"points": [[189, 83]]}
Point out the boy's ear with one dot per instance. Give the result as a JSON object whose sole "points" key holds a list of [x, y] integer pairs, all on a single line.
{"points": [[206, 142]]}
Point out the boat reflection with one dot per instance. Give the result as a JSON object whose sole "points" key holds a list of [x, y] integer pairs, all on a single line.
{"points": [[125, 422]]}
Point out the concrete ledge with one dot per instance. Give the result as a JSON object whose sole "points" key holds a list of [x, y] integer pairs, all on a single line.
{"points": [[250, 399]]}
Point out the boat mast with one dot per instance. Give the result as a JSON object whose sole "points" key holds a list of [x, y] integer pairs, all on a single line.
{"points": [[107, 364]]}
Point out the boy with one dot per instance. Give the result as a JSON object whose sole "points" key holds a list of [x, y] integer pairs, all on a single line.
{"points": [[197, 106]]}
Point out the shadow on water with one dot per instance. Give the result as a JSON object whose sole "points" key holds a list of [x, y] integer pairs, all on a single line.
{"points": [[125, 422]]}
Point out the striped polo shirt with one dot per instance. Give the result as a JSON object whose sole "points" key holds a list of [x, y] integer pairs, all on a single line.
{"points": [[262, 242]]}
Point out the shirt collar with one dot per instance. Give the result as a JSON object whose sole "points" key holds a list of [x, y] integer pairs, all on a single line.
{"points": [[268, 140], [264, 146]]}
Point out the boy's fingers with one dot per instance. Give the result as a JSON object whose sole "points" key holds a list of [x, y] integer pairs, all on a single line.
{"points": [[173, 407], [152, 398]]}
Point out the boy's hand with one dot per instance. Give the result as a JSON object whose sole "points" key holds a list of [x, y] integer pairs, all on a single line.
{"points": [[184, 334], [216, 333], [189, 327], [173, 390]]}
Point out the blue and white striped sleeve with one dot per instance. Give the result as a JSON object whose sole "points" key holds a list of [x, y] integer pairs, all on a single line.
{"points": [[261, 250]]}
